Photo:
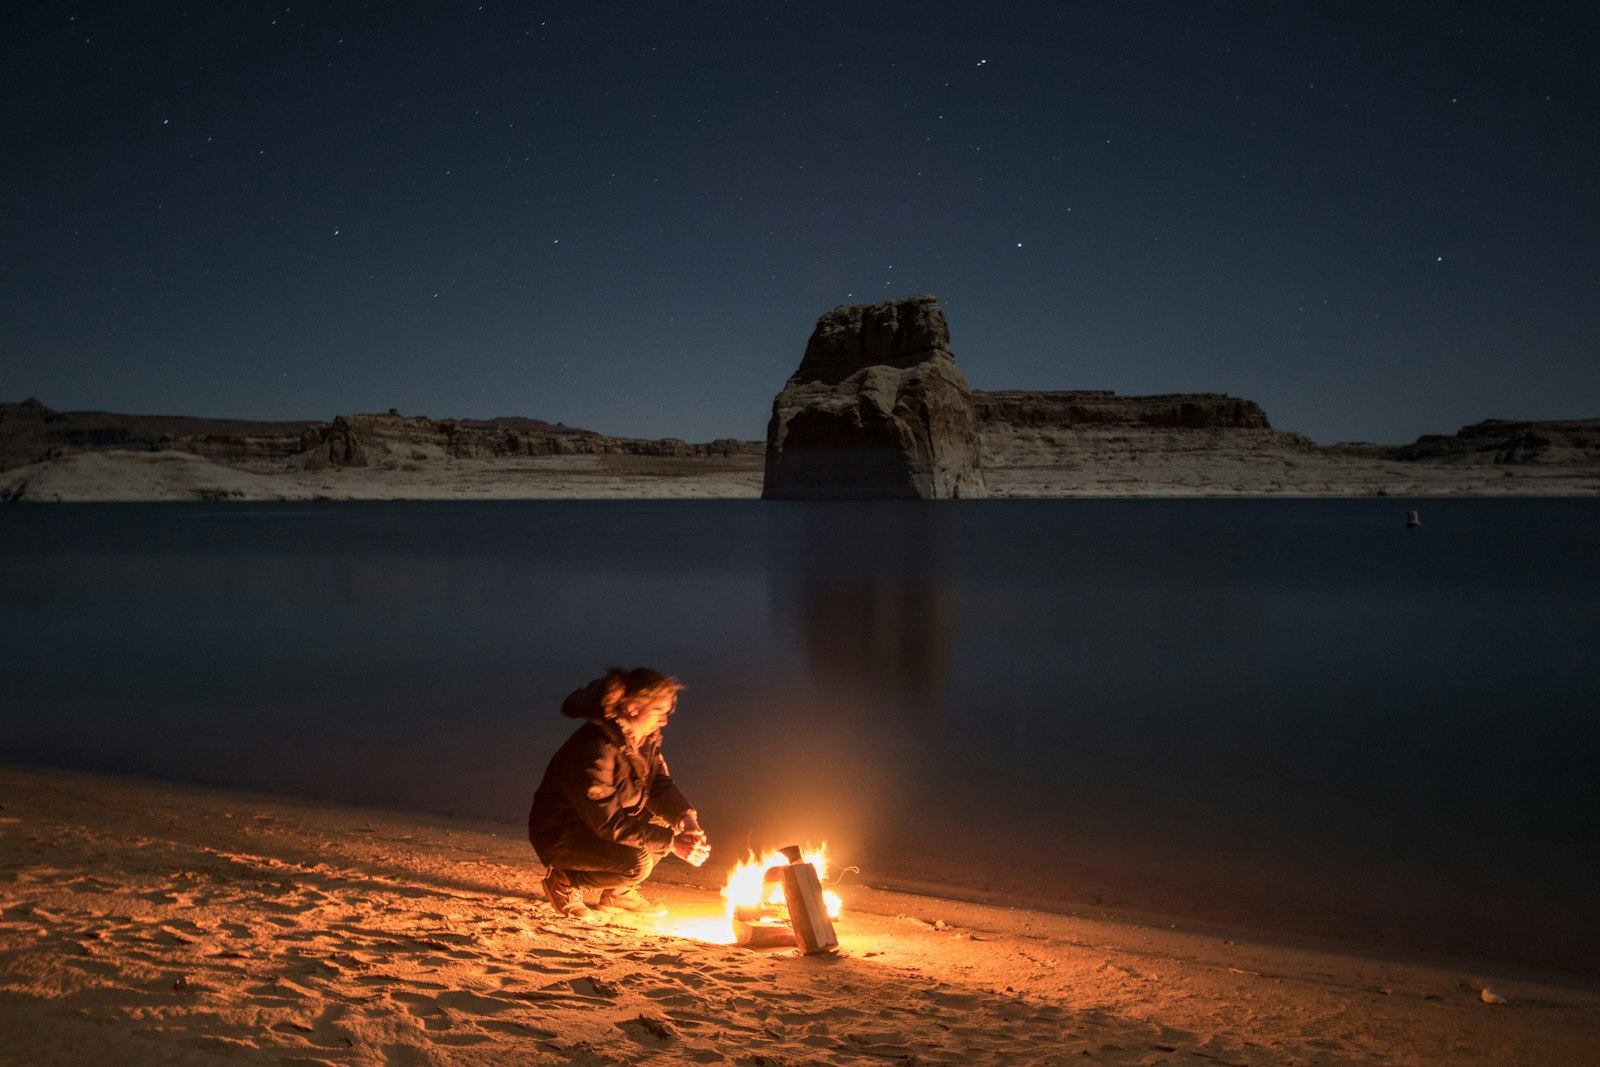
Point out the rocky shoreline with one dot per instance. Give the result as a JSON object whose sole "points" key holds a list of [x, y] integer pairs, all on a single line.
{"points": [[1032, 445]]}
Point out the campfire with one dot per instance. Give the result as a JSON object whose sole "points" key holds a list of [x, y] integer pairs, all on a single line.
{"points": [[778, 898], [759, 907]]}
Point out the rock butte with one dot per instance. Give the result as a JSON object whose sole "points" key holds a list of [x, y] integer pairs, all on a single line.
{"points": [[877, 409]]}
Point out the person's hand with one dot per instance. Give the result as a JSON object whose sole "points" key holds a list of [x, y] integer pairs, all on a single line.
{"points": [[692, 847]]}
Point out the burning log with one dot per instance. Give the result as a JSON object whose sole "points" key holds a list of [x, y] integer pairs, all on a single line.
{"points": [[761, 926], [790, 906], [802, 890]]}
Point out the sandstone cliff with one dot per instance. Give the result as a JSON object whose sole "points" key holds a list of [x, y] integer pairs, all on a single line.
{"points": [[31, 432], [1570, 441], [361, 440], [876, 409], [1083, 408], [1098, 443], [49, 455]]}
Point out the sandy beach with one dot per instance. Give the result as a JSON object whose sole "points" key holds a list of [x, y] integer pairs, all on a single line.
{"points": [[148, 922]]}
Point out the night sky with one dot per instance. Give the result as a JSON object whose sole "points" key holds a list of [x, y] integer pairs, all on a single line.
{"points": [[1375, 220]]}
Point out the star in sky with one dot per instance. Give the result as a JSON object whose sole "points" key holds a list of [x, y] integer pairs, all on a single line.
{"points": [[1180, 177]]}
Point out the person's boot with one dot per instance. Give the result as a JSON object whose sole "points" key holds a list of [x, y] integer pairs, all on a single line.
{"points": [[626, 898], [564, 895]]}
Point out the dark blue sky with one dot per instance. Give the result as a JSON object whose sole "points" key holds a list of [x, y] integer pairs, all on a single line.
{"points": [[1376, 223]]}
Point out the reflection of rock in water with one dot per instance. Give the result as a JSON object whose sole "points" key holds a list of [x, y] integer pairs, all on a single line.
{"points": [[865, 588], [884, 644]]}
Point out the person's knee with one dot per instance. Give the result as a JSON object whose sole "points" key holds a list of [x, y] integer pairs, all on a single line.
{"points": [[642, 862]]}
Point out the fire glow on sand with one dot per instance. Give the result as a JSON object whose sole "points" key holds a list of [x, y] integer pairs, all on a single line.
{"points": [[747, 891]]}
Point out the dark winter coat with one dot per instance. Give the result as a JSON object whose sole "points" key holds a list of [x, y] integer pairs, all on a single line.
{"points": [[599, 783]]}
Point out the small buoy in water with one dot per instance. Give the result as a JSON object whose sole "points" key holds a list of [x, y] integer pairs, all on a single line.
{"points": [[1413, 519], [1489, 996]]}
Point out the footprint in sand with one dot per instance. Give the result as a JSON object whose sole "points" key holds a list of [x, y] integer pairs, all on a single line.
{"points": [[890, 1044], [515, 1027], [675, 998], [743, 979], [546, 968], [90, 965], [692, 979], [424, 1009], [324, 1031], [469, 1003], [91, 884], [557, 961], [176, 937], [158, 896], [594, 987], [649, 1030]]}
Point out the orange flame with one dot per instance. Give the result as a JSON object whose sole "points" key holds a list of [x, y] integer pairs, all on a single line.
{"points": [[746, 885]]}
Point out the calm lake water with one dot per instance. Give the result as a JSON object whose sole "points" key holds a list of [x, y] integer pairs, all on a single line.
{"points": [[1293, 714]]}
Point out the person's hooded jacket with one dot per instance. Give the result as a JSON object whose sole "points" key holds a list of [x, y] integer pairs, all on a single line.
{"points": [[598, 782]]}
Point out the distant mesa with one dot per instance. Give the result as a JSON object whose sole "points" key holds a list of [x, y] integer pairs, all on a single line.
{"points": [[877, 409], [1502, 441], [32, 433], [1103, 408]]}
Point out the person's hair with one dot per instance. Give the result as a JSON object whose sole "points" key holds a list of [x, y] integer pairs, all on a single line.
{"points": [[622, 690]]}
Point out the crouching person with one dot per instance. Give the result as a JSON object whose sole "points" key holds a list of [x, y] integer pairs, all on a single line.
{"points": [[607, 810]]}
